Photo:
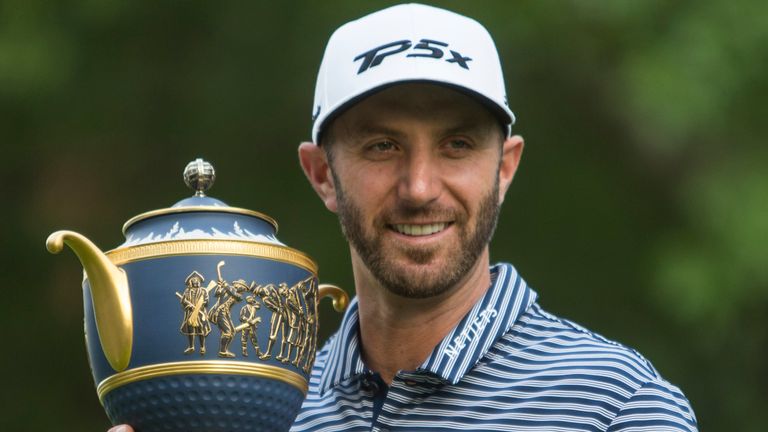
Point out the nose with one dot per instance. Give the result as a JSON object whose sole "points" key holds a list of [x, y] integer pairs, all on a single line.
{"points": [[419, 182]]}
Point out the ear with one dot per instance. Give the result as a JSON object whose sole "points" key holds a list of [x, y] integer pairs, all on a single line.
{"points": [[314, 162], [511, 152]]}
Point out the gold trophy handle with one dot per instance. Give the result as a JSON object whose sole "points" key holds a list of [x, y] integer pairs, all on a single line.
{"points": [[338, 295]]}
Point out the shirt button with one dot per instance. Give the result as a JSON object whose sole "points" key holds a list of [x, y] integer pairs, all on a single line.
{"points": [[410, 383]]}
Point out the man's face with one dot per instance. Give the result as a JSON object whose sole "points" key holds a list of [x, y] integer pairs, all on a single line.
{"points": [[416, 173]]}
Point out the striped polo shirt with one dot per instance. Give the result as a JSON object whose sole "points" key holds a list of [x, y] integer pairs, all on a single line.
{"points": [[507, 366]]}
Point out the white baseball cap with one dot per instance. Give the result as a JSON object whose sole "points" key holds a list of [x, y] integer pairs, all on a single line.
{"points": [[408, 43]]}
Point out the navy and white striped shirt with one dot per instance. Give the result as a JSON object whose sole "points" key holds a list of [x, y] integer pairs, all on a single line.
{"points": [[507, 366]]}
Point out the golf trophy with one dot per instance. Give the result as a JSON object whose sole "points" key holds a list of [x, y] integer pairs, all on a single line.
{"points": [[202, 320]]}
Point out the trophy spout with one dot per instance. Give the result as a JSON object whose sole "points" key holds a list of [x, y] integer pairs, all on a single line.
{"points": [[338, 295], [109, 293]]}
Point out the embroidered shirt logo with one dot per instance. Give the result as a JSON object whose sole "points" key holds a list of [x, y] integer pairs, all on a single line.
{"points": [[470, 332]]}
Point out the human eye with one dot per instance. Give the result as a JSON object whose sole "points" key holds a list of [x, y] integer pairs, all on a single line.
{"points": [[380, 149], [457, 147], [383, 146]]}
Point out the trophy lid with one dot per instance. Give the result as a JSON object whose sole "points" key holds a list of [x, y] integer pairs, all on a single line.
{"points": [[199, 216]]}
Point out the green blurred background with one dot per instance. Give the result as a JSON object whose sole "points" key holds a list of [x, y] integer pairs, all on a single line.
{"points": [[640, 209]]}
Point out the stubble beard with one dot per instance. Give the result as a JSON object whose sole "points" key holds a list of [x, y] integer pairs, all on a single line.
{"points": [[406, 281]]}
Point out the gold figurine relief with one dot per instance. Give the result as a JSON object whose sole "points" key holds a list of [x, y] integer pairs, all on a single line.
{"points": [[292, 322]]}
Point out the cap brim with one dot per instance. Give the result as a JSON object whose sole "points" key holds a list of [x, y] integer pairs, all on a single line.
{"points": [[503, 114]]}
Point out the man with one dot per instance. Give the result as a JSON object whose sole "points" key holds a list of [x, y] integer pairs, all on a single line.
{"points": [[194, 300], [305, 357], [250, 324], [294, 317], [221, 313], [273, 299], [413, 150]]}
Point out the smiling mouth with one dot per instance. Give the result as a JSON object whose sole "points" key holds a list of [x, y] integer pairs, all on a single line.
{"points": [[419, 230]]}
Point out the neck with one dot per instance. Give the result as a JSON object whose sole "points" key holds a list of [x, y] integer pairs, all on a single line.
{"points": [[399, 333]]}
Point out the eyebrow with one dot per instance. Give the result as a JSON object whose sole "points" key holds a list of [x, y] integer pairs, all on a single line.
{"points": [[466, 127], [369, 129], [374, 129]]}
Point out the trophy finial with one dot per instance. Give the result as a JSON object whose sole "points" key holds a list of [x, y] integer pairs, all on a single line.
{"points": [[199, 176]]}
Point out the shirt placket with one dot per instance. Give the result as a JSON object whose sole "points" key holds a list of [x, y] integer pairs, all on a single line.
{"points": [[376, 391], [404, 387]]}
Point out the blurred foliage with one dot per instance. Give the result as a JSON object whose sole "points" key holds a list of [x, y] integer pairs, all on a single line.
{"points": [[640, 210]]}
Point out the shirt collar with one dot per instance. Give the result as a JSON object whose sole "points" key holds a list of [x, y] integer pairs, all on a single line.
{"points": [[344, 360], [489, 319]]}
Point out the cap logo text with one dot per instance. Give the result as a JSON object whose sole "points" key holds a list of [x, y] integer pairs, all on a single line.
{"points": [[424, 48]]}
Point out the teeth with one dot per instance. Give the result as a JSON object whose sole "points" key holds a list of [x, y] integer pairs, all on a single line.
{"points": [[419, 230]]}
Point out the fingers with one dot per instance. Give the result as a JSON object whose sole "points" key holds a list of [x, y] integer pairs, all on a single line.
{"points": [[121, 428]]}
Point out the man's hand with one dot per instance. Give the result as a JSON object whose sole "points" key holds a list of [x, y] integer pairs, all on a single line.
{"points": [[121, 428]]}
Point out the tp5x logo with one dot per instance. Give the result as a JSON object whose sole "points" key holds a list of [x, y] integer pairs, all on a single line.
{"points": [[425, 48]]}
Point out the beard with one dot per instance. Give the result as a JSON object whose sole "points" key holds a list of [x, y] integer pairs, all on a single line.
{"points": [[420, 282]]}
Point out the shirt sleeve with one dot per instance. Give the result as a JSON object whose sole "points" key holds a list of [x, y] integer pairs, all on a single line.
{"points": [[656, 406]]}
